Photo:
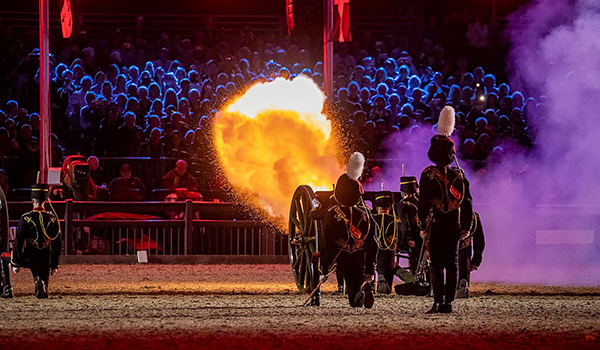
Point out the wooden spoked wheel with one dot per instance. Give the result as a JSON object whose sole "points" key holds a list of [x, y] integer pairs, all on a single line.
{"points": [[302, 240]]}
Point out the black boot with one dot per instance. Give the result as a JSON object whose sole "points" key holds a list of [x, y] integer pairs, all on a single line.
{"points": [[446, 308], [382, 286], [367, 291], [315, 300], [5, 286], [41, 290], [434, 309]]}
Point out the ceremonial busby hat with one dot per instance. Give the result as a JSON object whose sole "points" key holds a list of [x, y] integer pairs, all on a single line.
{"points": [[384, 200], [441, 151], [408, 184], [39, 191], [348, 189]]}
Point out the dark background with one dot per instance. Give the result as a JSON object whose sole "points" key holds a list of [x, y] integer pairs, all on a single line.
{"points": [[265, 7]]}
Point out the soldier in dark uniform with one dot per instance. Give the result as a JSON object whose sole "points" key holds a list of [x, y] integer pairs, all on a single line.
{"points": [[387, 237], [470, 255], [5, 286], [445, 202], [38, 242], [348, 240], [410, 226]]}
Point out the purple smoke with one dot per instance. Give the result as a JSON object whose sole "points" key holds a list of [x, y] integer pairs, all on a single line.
{"points": [[540, 212]]}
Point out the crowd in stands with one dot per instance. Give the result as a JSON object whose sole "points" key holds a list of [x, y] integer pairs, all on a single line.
{"points": [[121, 96]]}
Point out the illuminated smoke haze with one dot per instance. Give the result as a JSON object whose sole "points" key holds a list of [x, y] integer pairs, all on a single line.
{"points": [[555, 52]]}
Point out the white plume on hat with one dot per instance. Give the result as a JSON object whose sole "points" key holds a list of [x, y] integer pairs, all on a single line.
{"points": [[446, 121], [356, 165]]}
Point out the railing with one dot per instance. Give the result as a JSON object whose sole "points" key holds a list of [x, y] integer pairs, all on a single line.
{"points": [[204, 228]]}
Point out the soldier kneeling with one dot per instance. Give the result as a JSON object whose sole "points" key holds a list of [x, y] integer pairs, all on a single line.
{"points": [[348, 241]]}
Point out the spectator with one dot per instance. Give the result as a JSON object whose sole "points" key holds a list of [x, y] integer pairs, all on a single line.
{"points": [[176, 147], [21, 144], [127, 187], [180, 178], [153, 147], [96, 171], [127, 143]]}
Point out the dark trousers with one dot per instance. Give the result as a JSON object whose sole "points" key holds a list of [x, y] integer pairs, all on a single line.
{"points": [[414, 254], [444, 257], [386, 265], [43, 272], [4, 272], [464, 264], [352, 269], [38, 262]]}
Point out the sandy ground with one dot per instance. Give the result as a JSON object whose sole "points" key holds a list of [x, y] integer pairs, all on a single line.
{"points": [[257, 306]]}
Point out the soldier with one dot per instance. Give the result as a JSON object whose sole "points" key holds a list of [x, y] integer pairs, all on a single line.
{"points": [[408, 212], [445, 203], [469, 256], [5, 286], [348, 240], [38, 242], [386, 237]]}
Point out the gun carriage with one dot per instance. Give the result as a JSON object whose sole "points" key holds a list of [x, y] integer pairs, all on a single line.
{"points": [[306, 235]]}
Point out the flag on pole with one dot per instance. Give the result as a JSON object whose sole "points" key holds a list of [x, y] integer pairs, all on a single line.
{"points": [[341, 21], [289, 14], [66, 19]]}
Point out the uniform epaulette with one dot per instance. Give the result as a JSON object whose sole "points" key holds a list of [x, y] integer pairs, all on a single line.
{"points": [[429, 169]]}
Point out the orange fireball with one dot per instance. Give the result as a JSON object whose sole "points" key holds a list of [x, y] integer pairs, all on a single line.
{"points": [[275, 138]]}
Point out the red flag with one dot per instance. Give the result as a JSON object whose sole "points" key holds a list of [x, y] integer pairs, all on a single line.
{"points": [[289, 13], [66, 19], [341, 24]]}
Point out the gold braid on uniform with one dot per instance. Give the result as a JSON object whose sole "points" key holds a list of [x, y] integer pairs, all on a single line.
{"points": [[382, 243], [52, 219], [43, 227]]}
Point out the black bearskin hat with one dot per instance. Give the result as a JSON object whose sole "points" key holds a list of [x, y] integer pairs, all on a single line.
{"points": [[347, 191], [384, 200], [408, 184], [441, 151], [39, 192]]}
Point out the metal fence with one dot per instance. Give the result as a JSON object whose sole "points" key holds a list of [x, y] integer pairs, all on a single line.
{"points": [[205, 228], [237, 238]]}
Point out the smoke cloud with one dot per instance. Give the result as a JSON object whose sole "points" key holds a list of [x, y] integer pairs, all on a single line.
{"points": [[541, 211]]}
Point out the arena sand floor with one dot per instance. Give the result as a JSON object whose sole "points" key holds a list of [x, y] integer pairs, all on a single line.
{"points": [[257, 306]]}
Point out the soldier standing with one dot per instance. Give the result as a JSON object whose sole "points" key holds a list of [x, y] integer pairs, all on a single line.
{"points": [[387, 238], [408, 211], [38, 242], [348, 240], [445, 202], [5, 286], [470, 256]]}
